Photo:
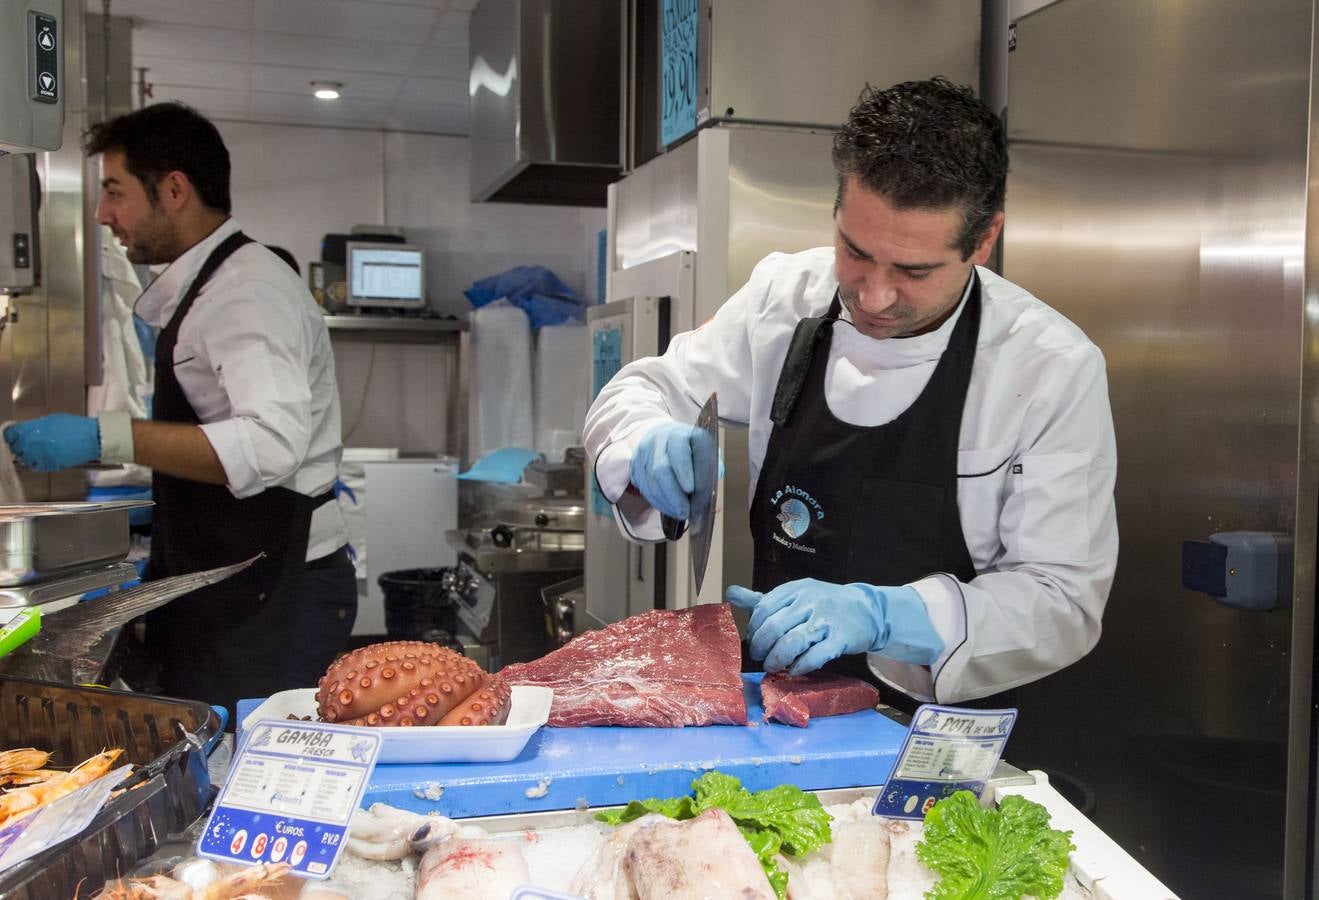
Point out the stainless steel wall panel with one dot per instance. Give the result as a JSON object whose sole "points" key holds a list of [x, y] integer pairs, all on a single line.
{"points": [[655, 209], [1157, 198], [805, 63], [1193, 76], [781, 190]]}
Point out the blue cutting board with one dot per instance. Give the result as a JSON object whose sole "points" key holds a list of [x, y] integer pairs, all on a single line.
{"points": [[562, 768]]}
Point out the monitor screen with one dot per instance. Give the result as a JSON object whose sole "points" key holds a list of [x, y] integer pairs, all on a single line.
{"points": [[386, 275]]}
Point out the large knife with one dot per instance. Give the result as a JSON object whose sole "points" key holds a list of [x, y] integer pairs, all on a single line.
{"points": [[705, 475]]}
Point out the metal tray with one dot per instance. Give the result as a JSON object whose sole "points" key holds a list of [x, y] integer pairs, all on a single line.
{"points": [[44, 540], [166, 738]]}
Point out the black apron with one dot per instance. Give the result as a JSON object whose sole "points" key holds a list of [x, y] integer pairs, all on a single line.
{"points": [[223, 642], [877, 505]]}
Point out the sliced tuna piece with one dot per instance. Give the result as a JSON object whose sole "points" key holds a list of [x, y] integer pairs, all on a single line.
{"points": [[666, 669], [793, 699]]}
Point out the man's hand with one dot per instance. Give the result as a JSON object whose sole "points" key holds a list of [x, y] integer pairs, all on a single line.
{"points": [[662, 468], [801, 625], [54, 442]]}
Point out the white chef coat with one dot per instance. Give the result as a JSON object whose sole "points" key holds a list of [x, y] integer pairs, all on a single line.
{"points": [[1037, 458], [253, 358]]}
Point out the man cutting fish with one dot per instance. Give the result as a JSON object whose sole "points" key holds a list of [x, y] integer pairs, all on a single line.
{"points": [[931, 447], [244, 439]]}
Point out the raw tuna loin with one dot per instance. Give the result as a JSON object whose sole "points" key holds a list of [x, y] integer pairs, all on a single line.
{"points": [[665, 669], [793, 699]]}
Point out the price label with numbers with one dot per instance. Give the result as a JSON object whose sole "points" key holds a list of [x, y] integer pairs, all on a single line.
{"points": [[290, 795], [947, 749]]}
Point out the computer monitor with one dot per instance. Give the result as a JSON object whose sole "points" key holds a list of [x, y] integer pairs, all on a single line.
{"points": [[387, 276]]}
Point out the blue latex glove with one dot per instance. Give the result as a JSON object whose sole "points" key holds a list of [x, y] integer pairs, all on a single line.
{"points": [[801, 625], [54, 442], [662, 468]]}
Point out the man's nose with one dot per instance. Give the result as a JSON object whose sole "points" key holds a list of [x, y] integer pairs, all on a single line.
{"points": [[102, 215], [877, 294]]}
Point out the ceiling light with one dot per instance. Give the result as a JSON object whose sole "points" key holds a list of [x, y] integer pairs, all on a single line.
{"points": [[326, 90]]}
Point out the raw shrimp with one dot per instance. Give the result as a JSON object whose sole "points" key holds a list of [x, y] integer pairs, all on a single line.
{"points": [[24, 801]]}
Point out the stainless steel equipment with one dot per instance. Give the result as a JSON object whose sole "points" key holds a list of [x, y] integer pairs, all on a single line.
{"points": [[68, 587], [49, 346], [41, 541], [20, 195], [33, 77], [505, 561], [544, 85], [1161, 196]]}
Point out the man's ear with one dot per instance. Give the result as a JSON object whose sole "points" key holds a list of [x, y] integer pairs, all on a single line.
{"points": [[174, 190], [986, 246]]}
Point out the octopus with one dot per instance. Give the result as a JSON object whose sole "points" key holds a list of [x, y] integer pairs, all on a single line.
{"points": [[410, 683]]}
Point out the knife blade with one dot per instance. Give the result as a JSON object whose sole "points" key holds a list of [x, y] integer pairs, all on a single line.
{"points": [[705, 475]]}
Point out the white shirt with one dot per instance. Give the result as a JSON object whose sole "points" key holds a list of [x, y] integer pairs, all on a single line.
{"points": [[253, 358], [1036, 456]]}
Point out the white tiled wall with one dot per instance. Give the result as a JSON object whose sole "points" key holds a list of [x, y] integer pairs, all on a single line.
{"points": [[292, 185]]}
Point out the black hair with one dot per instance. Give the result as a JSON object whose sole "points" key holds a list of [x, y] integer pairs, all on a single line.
{"points": [[286, 256], [164, 138], [927, 145]]}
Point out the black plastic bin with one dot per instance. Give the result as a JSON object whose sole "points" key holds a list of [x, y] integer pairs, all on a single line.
{"points": [[417, 607]]}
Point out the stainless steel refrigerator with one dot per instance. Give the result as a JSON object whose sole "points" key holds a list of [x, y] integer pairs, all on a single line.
{"points": [[1160, 196]]}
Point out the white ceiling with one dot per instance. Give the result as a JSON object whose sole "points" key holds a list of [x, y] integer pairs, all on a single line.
{"points": [[402, 63]]}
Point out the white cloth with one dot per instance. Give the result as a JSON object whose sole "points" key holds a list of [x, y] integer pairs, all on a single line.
{"points": [[254, 359], [562, 388], [125, 376], [1037, 451], [500, 411]]}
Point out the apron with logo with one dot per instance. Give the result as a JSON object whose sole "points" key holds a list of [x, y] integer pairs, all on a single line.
{"points": [[225, 641], [846, 503]]}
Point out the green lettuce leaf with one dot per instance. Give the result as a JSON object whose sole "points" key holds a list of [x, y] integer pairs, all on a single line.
{"points": [[673, 807], [767, 845], [993, 853]]}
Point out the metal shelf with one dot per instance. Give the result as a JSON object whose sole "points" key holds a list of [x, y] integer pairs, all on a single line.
{"points": [[396, 328]]}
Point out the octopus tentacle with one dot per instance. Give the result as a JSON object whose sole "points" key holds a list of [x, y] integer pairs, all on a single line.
{"points": [[487, 705], [406, 683]]}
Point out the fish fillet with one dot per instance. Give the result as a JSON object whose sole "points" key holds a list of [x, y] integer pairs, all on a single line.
{"points": [[477, 868], [705, 858]]}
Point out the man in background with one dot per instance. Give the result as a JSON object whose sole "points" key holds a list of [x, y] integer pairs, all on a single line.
{"points": [[244, 440]]}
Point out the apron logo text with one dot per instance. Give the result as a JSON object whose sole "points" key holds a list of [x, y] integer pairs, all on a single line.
{"points": [[796, 511]]}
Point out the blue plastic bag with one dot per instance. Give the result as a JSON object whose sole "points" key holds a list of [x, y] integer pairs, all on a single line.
{"points": [[535, 290]]}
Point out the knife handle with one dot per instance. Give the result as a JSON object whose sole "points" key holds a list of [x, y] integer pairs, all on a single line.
{"points": [[672, 528]]}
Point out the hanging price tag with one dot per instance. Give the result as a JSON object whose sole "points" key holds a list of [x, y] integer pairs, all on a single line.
{"points": [[290, 795], [947, 749]]}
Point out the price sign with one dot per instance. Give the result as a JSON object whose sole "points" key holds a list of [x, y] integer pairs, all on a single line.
{"points": [[946, 750], [290, 795], [678, 73]]}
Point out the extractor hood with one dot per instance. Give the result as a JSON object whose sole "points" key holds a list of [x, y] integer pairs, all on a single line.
{"points": [[544, 83]]}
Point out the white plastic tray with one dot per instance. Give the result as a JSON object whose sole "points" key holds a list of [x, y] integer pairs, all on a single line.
{"points": [[529, 708]]}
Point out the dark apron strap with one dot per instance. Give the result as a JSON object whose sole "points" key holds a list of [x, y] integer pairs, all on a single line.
{"points": [[805, 338]]}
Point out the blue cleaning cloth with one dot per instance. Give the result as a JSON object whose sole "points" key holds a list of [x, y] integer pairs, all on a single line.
{"points": [[502, 466], [535, 290]]}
